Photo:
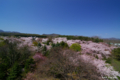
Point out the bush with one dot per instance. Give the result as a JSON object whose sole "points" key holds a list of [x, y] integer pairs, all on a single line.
{"points": [[97, 40], [45, 53], [2, 44], [56, 45], [53, 45], [35, 43], [47, 42], [44, 48], [116, 53], [1, 38], [96, 57], [14, 72], [39, 45], [118, 77], [63, 44], [75, 47], [28, 63], [109, 60]]}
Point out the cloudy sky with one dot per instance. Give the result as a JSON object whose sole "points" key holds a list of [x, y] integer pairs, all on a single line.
{"points": [[66, 17]]}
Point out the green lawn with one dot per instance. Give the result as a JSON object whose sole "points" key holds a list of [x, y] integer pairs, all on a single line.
{"points": [[116, 64]]}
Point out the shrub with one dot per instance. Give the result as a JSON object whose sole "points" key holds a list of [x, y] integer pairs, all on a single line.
{"points": [[35, 43], [56, 45], [46, 53], [75, 47], [14, 72], [109, 60], [96, 57], [28, 63], [116, 53], [39, 45], [53, 45], [2, 44], [44, 48], [1, 38], [47, 42], [63, 44], [118, 77]]}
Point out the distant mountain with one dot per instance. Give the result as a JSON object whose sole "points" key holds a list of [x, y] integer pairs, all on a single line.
{"points": [[1, 31], [114, 40]]}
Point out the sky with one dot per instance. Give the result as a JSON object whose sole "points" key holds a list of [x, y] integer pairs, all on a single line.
{"points": [[66, 17]]}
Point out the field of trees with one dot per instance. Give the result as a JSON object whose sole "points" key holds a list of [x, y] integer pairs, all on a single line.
{"points": [[61, 62], [13, 60], [45, 36]]}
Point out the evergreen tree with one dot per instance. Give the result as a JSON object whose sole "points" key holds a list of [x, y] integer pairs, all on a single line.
{"points": [[14, 72], [44, 48], [39, 45], [28, 64]]}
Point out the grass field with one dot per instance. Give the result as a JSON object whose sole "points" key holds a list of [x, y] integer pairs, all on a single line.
{"points": [[116, 64]]}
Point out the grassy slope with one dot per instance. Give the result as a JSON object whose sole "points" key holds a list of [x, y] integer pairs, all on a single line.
{"points": [[116, 64]]}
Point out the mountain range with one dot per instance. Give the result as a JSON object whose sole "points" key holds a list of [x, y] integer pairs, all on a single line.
{"points": [[2, 31]]}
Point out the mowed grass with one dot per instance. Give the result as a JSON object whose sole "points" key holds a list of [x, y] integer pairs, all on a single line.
{"points": [[116, 64]]}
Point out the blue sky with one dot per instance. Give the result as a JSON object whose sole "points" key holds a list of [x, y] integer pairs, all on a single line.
{"points": [[66, 17]]}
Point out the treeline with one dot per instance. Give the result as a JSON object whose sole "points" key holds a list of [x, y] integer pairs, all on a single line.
{"points": [[22, 35], [82, 38], [45, 36]]}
